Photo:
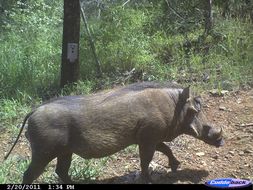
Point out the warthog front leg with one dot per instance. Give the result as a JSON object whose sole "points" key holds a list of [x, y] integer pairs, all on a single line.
{"points": [[147, 137], [165, 149]]}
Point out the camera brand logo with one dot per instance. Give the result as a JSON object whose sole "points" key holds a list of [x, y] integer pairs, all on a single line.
{"points": [[228, 183]]}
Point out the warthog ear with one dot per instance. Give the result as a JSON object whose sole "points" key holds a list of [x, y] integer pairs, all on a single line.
{"points": [[186, 93], [195, 104]]}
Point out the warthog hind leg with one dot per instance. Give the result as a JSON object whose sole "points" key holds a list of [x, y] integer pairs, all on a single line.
{"points": [[36, 167], [62, 167], [146, 154]]}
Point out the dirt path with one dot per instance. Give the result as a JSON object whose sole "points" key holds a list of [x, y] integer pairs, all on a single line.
{"points": [[199, 161]]}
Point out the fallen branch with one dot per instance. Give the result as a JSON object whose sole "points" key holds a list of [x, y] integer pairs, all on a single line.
{"points": [[125, 3], [173, 10]]}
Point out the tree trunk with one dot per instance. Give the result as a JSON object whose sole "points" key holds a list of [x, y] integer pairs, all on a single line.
{"points": [[70, 68], [208, 16]]}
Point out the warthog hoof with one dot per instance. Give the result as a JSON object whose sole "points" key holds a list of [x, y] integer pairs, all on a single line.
{"points": [[174, 165]]}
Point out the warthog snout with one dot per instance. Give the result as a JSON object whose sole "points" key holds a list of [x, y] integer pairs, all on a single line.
{"points": [[213, 136]]}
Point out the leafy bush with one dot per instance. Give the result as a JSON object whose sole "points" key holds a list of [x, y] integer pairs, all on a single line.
{"points": [[30, 57], [11, 170]]}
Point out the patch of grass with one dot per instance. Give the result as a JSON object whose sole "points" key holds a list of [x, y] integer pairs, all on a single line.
{"points": [[11, 114], [28, 68], [78, 88], [30, 53], [86, 170], [11, 170], [133, 149], [82, 170]]}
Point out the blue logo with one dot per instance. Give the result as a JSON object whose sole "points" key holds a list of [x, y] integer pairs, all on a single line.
{"points": [[228, 183]]}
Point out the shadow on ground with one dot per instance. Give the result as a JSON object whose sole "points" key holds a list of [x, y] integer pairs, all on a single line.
{"points": [[187, 176]]}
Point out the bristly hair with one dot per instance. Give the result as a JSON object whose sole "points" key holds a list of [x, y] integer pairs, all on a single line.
{"points": [[118, 92], [144, 85]]}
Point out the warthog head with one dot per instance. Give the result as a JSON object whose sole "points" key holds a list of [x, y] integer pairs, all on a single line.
{"points": [[193, 120]]}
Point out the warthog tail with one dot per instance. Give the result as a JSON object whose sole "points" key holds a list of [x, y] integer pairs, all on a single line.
{"points": [[22, 127]]}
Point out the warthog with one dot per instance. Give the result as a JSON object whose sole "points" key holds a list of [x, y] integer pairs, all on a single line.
{"points": [[98, 125]]}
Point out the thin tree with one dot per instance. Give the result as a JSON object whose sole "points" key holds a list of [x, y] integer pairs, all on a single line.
{"points": [[92, 44], [208, 16], [70, 68]]}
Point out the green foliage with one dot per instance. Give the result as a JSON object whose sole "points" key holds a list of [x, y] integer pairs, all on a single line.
{"points": [[39, 15], [121, 43], [11, 111], [82, 169], [241, 9], [150, 37], [181, 16], [11, 171], [30, 53], [80, 87], [160, 49], [232, 54]]}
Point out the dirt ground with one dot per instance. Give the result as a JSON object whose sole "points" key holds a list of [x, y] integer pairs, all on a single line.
{"points": [[199, 161]]}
